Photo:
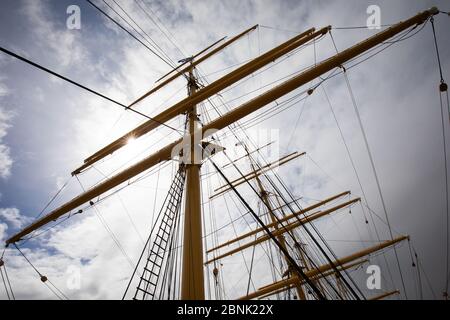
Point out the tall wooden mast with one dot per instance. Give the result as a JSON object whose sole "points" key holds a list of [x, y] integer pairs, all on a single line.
{"points": [[192, 287]]}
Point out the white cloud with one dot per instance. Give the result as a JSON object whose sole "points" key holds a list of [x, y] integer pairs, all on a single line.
{"points": [[3, 228], [105, 271], [13, 217], [64, 44], [3, 90], [6, 160]]}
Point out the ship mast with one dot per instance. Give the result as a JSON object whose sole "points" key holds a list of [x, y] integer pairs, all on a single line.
{"points": [[192, 284], [265, 198]]}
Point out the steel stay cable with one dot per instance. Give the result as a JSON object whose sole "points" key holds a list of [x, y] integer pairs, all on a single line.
{"points": [[291, 260], [34, 64], [108, 229], [293, 198], [43, 279], [310, 234], [126, 30], [443, 88], [376, 177], [153, 43], [4, 283], [9, 282]]}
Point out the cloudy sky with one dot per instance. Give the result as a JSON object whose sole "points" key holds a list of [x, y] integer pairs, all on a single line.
{"points": [[47, 128]]}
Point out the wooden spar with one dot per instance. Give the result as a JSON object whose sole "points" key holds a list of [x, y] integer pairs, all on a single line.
{"points": [[324, 268], [244, 156], [384, 295], [316, 71], [192, 282], [276, 292], [251, 175], [265, 198], [293, 215], [218, 124], [152, 160], [204, 94], [286, 228], [190, 60], [316, 277], [194, 63]]}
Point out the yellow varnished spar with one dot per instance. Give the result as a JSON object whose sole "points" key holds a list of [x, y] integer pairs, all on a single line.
{"points": [[324, 268], [227, 119], [316, 277], [385, 295], [286, 218], [283, 230], [204, 94], [194, 63], [255, 173], [192, 281]]}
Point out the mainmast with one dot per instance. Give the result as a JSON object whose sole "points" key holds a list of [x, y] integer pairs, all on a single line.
{"points": [[192, 284]]}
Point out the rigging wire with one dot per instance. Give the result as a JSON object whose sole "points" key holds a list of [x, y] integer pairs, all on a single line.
{"points": [[38, 66], [291, 209], [291, 260], [9, 282], [333, 28], [146, 244], [125, 209], [108, 229], [126, 30], [355, 170], [366, 142], [414, 264], [443, 88], [359, 182], [54, 197], [158, 26], [44, 279], [153, 43], [297, 122], [6, 281]]}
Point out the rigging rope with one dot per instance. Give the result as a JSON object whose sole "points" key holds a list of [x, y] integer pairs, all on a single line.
{"points": [[6, 282], [38, 66], [306, 229], [107, 228], [278, 178], [291, 260], [126, 30], [125, 209], [443, 90], [157, 25], [366, 142], [357, 176], [153, 43], [44, 279]]}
